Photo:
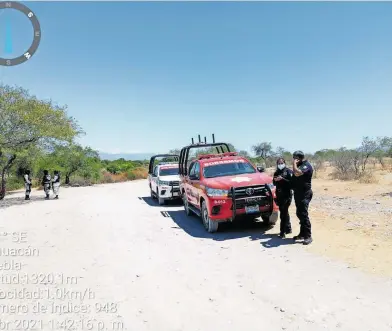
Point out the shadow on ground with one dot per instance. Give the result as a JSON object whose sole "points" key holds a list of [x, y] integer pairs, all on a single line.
{"points": [[18, 201], [193, 226], [154, 203]]}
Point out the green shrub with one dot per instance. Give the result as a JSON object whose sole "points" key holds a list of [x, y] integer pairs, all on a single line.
{"points": [[14, 183]]}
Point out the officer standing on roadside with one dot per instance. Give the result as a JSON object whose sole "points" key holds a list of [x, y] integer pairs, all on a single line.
{"points": [[303, 194], [46, 183], [27, 182], [56, 184], [284, 195]]}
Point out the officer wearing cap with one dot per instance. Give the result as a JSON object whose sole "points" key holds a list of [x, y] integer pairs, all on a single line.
{"points": [[302, 186]]}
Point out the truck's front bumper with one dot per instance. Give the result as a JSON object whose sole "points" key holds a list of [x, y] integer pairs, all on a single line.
{"points": [[238, 203], [169, 192]]}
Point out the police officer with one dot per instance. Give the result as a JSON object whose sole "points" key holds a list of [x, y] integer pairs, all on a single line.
{"points": [[302, 185], [27, 182], [282, 181], [46, 183], [56, 184]]}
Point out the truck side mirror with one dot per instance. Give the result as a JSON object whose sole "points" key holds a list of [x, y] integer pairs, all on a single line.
{"points": [[260, 169]]}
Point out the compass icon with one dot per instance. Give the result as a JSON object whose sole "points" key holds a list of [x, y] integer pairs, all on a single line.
{"points": [[6, 10]]}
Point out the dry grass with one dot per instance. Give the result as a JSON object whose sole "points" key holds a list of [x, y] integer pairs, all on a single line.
{"points": [[137, 173], [368, 177]]}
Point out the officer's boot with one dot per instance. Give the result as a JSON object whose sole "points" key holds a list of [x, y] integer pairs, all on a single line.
{"points": [[47, 197], [308, 241], [56, 197], [27, 197], [299, 237]]}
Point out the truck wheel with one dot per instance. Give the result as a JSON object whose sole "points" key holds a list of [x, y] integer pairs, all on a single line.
{"points": [[161, 201], [186, 204], [270, 219], [210, 225], [152, 193]]}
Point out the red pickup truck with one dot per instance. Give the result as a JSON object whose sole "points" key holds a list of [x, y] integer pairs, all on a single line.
{"points": [[223, 187]]}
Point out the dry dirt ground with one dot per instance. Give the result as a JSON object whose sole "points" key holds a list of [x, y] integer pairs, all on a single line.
{"points": [[134, 265]]}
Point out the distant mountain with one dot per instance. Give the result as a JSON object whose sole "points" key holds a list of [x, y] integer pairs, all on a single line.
{"points": [[126, 156]]}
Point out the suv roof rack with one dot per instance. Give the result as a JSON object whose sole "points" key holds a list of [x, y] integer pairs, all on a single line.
{"points": [[184, 154], [152, 160]]}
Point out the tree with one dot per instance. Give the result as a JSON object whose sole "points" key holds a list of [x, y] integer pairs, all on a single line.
{"points": [[26, 121], [244, 154], [72, 158], [264, 150], [368, 148]]}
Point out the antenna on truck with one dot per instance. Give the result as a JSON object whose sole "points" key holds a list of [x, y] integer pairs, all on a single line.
{"points": [[205, 140]]}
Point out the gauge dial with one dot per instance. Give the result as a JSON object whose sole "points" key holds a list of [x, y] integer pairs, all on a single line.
{"points": [[5, 7]]}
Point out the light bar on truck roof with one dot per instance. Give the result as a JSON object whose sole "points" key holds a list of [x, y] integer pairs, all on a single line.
{"points": [[220, 155]]}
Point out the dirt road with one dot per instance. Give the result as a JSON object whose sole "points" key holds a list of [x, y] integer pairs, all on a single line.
{"points": [[107, 258]]}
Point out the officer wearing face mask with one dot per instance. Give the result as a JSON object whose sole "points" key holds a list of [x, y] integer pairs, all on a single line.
{"points": [[282, 181], [303, 194]]}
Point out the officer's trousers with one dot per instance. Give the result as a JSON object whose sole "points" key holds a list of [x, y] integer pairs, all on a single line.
{"points": [[47, 188], [28, 189], [284, 203], [56, 188], [302, 200]]}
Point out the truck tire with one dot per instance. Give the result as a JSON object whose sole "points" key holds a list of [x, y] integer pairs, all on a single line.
{"points": [[270, 220], [210, 225], [152, 193], [188, 212], [161, 201]]}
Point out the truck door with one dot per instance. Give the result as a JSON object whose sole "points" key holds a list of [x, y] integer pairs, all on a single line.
{"points": [[194, 184], [187, 184]]}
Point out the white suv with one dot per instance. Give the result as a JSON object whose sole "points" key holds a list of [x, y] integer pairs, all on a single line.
{"points": [[164, 182]]}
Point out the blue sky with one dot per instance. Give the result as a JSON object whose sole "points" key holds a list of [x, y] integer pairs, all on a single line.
{"points": [[146, 77]]}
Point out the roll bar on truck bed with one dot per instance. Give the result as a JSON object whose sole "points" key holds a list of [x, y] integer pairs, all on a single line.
{"points": [[184, 154], [153, 158]]}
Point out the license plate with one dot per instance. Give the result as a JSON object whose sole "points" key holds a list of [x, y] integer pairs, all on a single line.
{"points": [[175, 194], [252, 200], [252, 209]]}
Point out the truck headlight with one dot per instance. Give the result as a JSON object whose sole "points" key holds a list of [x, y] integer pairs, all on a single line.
{"points": [[212, 192], [163, 182]]}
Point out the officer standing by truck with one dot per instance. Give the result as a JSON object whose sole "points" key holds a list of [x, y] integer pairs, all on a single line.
{"points": [[284, 195], [28, 184], [303, 194]]}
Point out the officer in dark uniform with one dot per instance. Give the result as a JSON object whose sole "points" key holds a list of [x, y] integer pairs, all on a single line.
{"points": [[302, 185], [282, 181]]}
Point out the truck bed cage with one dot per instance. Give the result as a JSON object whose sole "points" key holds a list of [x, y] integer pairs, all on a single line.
{"points": [[184, 154], [152, 160]]}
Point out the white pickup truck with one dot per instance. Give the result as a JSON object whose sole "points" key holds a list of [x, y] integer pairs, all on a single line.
{"points": [[164, 179]]}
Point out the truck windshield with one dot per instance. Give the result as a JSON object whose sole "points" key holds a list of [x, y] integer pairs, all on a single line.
{"points": [[168, 171], [228, 169]]}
